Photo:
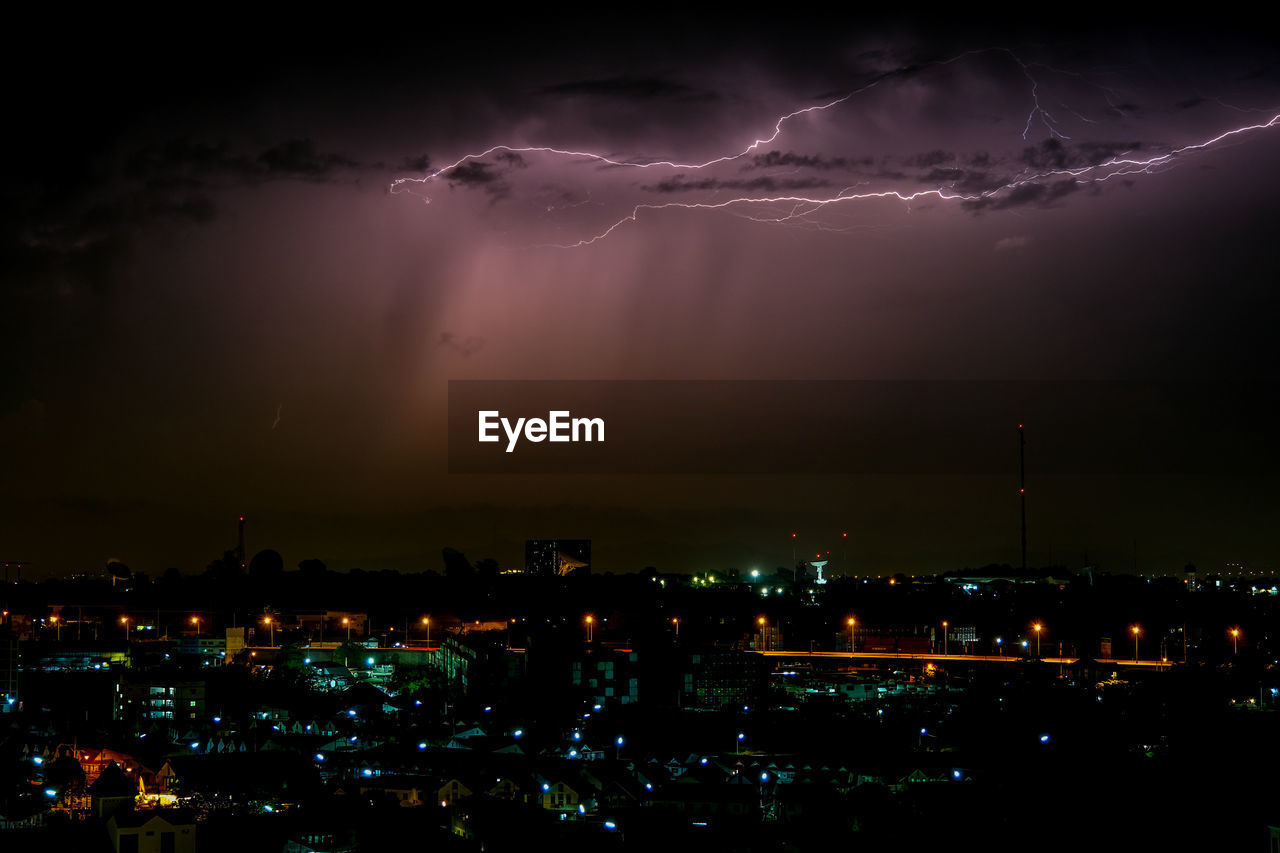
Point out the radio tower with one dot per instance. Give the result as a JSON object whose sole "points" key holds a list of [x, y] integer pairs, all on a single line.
{"points": [[240, 543], [1022, 490]]}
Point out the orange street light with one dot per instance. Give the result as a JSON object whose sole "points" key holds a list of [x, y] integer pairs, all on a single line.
{"points": [[1037, 628], [851, 622], [944, 636], [272, 627], [1137, 632], [1235, 641], [590, 622], [426, 623]]}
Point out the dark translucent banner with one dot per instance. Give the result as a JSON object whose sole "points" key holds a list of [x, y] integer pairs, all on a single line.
{"points": [[860, 427]]}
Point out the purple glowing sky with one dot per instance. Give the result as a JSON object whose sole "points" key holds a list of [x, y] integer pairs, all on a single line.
{"points": [[242, 286]]}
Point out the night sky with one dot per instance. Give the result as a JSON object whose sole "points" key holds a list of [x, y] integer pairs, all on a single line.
{"points": [[240, 263]]}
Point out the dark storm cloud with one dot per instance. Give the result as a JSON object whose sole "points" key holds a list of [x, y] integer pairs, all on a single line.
{"points": [[184, 161], [790, 159], [1027, 195], [170, 183], [420, 163], [680, 184], [300, 158], [489, 177], [1054, 154]]}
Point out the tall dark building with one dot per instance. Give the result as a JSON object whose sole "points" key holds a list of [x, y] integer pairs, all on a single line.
{"points": [[551, 557]]}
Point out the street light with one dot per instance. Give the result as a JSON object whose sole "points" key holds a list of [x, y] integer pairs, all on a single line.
{"points": [[1235, 641], [675, 620], [851, 622], [1037, 628], [1137, 631], [272, 627], [590, 621], [1000, 646], [764, 637], [426, 623], [737, 744], [124, 620], [944, 636], [346, 621], [195, 620], [57, 626]]}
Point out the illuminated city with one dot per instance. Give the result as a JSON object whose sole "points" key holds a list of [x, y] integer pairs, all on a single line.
{"points": [[937, 504]]}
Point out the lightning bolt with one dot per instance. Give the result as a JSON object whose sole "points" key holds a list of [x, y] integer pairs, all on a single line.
{"points": [[799, 209]]}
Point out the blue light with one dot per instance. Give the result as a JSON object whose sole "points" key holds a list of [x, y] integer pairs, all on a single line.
{"points": [[955, 774], [319, 756], [595, 707], [351, 713], [608, 824], [924, 731], [369, 661], [764, 777], [573, 753], [577, 735], [195, 744], [582, 809], [648, 786], [1044, 738], [620, 741], [38, 760], [366, 772], [50, 793], [546, 787], [422, 745], [517, 733], [703, 762]]}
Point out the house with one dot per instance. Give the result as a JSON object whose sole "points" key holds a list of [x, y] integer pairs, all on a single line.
{"points": [[152, 831]]}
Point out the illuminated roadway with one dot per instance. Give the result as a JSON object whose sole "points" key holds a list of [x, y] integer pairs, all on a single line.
{"points": [[920, 656]]}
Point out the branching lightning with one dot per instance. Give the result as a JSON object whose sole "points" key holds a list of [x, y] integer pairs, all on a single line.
{"points": [[801, 208]]}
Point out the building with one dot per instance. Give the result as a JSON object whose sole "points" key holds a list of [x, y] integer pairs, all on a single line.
{"points": [[723, 678], [152, 831], [8, 673], [608, 677], [556, 557], [151, 696]]}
